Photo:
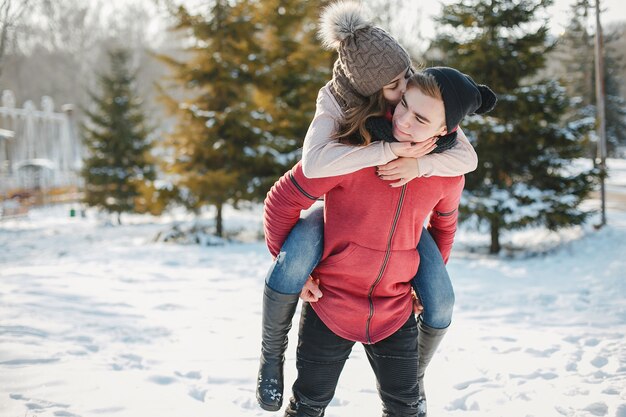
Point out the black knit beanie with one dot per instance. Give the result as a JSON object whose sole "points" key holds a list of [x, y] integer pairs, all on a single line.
{"points": [[461, 95]]}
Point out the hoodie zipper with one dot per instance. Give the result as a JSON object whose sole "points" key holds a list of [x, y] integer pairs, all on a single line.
{"points": [[384, 265]]}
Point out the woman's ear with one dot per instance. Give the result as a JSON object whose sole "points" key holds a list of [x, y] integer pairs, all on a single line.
{"points": [[443, 131]]}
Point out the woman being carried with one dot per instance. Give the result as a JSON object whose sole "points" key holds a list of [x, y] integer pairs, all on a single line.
{"points": [[370, 74], [369, 259]]}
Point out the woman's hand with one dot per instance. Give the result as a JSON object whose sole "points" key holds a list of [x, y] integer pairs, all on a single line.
{"points": [[311, 290], [413, 149], [402, 169]]}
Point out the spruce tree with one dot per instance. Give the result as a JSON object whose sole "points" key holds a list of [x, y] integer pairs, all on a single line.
{"points": [[216, 139], [577, 69], [249, 85], [119, 163], [295, 68], [524, 149], [575, 52]]}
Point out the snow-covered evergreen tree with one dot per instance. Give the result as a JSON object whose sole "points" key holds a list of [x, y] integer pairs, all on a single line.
{"points": [[525, 151], [575, 70], [249, 82], [295, 67], [119, 163], [215, 141], [575, 55]]}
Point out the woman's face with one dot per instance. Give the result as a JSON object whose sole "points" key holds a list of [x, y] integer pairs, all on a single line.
{"points": [[393, 90], [418, 117]]}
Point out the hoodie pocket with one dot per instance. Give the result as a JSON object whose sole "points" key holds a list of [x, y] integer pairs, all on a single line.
{"points": [[358, 261], [339, 256]]}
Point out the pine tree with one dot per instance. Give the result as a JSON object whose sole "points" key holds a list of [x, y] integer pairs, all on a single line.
{"points": [[525, 151], [216, 141], [250, 85], [575, 53], [119, 163], [577, 69], [296, 66]]}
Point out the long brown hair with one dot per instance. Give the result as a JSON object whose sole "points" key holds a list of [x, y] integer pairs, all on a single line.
{"points": [[352, 129]]}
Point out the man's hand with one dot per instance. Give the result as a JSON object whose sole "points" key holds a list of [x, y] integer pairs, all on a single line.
{"points": [[311, 290], [413, 149], [417, 304], [402, 169]]}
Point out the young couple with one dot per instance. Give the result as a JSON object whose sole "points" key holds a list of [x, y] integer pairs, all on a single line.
{"points": [[384, 152]]}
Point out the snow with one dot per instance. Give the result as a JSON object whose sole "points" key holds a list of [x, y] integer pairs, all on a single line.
{"points": [[98, 320]]}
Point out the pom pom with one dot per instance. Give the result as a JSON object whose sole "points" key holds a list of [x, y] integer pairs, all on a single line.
{"points": [[339, 21], [488, 99]]}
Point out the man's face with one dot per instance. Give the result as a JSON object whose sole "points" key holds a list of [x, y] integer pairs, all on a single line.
{"points": [[394, 89], [418, 117]]}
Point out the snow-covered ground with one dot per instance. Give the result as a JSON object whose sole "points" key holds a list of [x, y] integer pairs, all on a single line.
{"points": [[98, 320]]}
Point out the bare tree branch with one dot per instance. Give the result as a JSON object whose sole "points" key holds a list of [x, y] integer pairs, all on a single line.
{"points": [[11, 12]]}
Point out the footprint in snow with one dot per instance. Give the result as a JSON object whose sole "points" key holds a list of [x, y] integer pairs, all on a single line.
{"points": [[462, 403], [128, 361], [465, 385], [189, 375], [162, 380], [599, 361], [597, 409], [198, 394], [37, 404]]}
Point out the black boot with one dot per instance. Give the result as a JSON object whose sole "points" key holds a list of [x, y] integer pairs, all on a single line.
{"points": [[278, 310], [428, 340], [297, 409]]}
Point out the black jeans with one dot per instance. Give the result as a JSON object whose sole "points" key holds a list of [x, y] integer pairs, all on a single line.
{"points": [[321, 356]]}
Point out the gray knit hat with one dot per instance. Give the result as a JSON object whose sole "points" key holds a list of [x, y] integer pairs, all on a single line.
{"points": [[369, 58]]}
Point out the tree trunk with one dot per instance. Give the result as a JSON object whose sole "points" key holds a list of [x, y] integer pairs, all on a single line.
{"points": [[495, 236], [218, 221], [119, 218], [4, 33]]}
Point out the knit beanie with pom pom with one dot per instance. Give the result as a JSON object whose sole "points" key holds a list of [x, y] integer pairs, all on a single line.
{"points": [[369, 58], [461, 95]]}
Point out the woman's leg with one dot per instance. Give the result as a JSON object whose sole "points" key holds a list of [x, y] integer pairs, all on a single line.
{"points": [[432, 284], [320, 359], [394, 361], [434, 288], [300, 253], [297, 258]]}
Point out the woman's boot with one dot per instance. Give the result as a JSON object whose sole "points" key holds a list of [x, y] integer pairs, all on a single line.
{"points": [[428, 340], [278, 310]]}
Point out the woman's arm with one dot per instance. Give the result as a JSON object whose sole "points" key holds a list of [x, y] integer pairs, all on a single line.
{"points": [[291, 194], [453, 162], [444, 218], [323, 156]]}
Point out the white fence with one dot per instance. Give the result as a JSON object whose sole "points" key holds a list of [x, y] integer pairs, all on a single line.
{"points": [[39, 149]]}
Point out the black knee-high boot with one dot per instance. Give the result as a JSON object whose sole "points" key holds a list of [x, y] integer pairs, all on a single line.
{"points": [[428, 339], [278, 310]]}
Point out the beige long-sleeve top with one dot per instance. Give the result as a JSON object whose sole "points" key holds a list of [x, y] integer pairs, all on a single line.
{"points": [[323, 156]]}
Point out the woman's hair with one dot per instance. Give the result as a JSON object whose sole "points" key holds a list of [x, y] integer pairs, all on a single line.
{"points": [[352, 130]]}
